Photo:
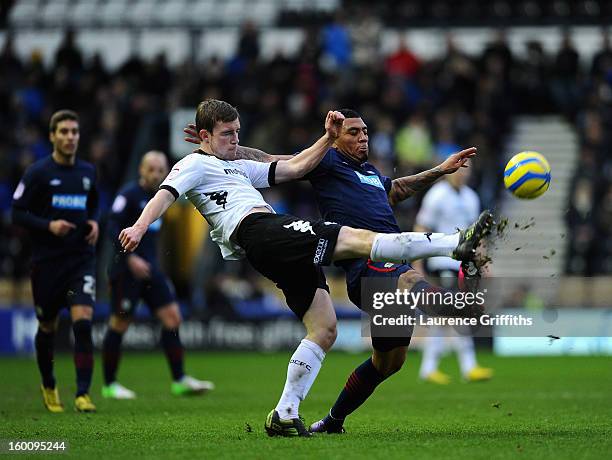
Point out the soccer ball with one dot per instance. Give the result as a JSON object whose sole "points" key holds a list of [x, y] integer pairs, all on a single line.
{"points": [[527, 175]]}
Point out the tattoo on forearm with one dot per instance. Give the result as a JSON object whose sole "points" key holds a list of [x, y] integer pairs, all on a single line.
{"points": [[405, 187], [248, 153]]}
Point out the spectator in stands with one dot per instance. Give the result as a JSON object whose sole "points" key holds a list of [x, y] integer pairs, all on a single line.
{"points": [[248, 43], [566, 70], [68, 54], [602, 61], [337, 45], [402, 63], [413, 144]]}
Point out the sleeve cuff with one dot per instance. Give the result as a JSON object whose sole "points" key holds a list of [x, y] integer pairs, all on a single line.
{"points": [[272, 174], [171, 190]]}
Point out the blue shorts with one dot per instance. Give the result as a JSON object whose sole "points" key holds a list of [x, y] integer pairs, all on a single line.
{"points": [[127, 291], [369, 269], [62, 283]]}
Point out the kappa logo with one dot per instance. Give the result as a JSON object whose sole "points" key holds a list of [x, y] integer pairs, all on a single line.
{"points": [[300, 226], [219, 197]]}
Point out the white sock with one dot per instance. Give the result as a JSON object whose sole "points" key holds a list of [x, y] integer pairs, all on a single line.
{"points": [[432, 351], [464, 346], [303, 368], [408, 246]]}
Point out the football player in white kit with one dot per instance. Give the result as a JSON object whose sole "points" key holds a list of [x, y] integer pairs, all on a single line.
{"points": [[448, 205], [288, 250]]}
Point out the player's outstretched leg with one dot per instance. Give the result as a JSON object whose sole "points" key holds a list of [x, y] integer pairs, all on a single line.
{"points": [[83, 356], [111, 356], [182, 384], [44, 342], [408, 246], [303, 368]]}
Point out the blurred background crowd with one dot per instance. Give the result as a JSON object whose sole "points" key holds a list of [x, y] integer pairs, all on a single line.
{"points": [[418, 109]]}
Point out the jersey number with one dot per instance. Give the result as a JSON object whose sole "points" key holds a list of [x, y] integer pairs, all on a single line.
{"points": [[89, 285], [218, 197]]}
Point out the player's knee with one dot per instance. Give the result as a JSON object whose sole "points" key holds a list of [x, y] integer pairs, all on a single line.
{"points": [[170, 316], [81, 312], [48, 327], [394, 366], [352, 242], [120, 324], [389, 363], [409, 279], [325, 335]]}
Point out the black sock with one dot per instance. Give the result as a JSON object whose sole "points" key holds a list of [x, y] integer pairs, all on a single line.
{"points": [[171, 343], [111, 354], [359, 386], [442, 309], [43, 343], [83, 355]]}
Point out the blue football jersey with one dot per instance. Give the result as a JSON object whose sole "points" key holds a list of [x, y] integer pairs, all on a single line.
{"points": [[51, 191], [353, 194]]}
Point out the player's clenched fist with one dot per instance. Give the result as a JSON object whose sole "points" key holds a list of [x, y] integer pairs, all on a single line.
{"points": [[130, 238], [333, 123]]}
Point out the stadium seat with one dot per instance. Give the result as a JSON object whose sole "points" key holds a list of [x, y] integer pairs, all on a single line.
{"points": [[234, 12], [202, 13], [326, 6], [24, 13], [84, 13], [263, 12], [113, 12], [295, 5], [140, 12], [54, 13], [172, 13]]}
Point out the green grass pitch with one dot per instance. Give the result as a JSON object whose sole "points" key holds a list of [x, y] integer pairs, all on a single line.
{"points": [[552, 407]]}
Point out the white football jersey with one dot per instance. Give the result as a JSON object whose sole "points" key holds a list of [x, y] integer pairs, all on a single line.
{"points": [[223, 191], [445, 210]]}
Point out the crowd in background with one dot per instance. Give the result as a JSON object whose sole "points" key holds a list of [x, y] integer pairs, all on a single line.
{"points": [[418, 111]]}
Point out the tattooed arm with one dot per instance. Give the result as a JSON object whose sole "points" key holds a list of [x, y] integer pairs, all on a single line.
{"points": [[405, 187], [249, 153], [244, 153]]}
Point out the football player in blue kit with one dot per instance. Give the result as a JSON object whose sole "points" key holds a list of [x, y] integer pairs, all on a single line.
{"points": [[137, 276], [350, 191], [57, 201]]}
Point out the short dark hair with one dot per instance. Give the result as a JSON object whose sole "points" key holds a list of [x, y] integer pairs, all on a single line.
{"points": [[61, 115], [349, 113], [211, 111]]}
